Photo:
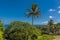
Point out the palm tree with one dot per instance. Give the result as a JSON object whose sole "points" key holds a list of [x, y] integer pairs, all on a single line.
{"points": [[34, 12]]}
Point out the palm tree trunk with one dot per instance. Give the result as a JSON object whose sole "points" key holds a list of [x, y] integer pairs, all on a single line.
{"points": [[32, 19]]}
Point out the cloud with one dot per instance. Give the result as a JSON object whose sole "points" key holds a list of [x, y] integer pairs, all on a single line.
{"points": [[59, 11], [45, 22], [55, 22], [58, 6], [51, 10], [50, 17]]}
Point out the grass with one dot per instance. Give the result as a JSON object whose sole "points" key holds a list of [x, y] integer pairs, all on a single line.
{"points": [[46, 37], [56, 36]]}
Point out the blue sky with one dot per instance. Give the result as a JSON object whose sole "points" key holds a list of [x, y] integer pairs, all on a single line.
{"points": [[14, 10]]}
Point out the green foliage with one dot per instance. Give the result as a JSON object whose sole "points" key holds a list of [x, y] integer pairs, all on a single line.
{"points": [[21, 31], [46, 37], [50, 23], [34, 11], [24, 31], [1, 25], [57, 25], [1, 30], [1, 36]]}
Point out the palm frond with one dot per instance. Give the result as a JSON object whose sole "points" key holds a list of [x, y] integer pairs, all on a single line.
{"points": [[35, 11], [28, 14]]}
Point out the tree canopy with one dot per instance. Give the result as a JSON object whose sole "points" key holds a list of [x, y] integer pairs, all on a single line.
{"points": [[21, 31]]}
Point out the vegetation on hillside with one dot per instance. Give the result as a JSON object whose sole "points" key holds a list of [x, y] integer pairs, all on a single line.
{"points": [[24, 31], [21, 31]]}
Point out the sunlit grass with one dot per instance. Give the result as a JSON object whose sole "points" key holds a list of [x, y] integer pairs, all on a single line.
{"points": [[46, 37]]}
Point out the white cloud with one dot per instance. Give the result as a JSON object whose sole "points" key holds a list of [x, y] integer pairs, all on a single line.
{"points": [[58, 6], [45, 22], [50, 17], [51, 10], [59, 11], [55, 22]]}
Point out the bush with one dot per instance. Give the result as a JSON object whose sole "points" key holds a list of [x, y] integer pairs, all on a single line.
{"points": [[24, 31], [21, 31], [1, 36]]}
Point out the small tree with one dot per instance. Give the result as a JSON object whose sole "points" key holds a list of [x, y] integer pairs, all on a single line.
{"points": [[50, 24]]}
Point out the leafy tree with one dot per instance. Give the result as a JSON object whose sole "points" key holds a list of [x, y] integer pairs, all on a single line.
{"points": [[51, 26], [34, 12], [21, 31], [50, 23]]}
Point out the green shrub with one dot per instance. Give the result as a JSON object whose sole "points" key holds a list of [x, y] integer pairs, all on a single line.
{"points": [[24, 31], [21, 31], [1, 36]]}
